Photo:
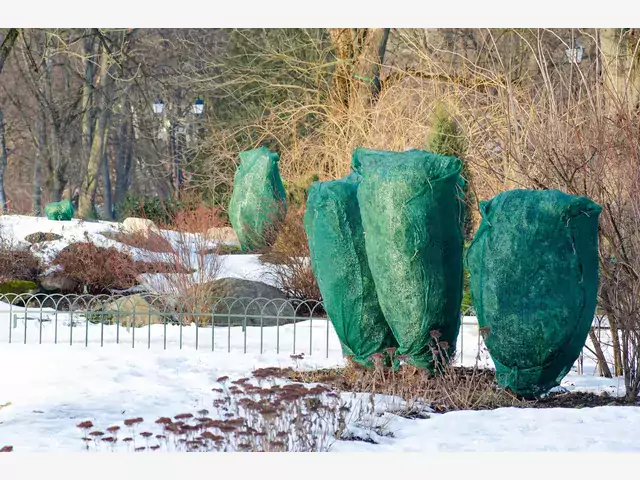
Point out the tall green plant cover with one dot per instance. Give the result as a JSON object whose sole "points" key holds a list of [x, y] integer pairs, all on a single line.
{"points": [[534, 282], [258, 202], [339, 262], [412, 211]]}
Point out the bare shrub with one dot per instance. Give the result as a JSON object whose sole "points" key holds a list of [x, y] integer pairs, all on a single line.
{"points": [[446, 388], [17, 263], [101, 270], [194, 261], [289, 259]]}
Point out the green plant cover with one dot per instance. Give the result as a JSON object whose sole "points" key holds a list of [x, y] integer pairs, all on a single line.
{"points": [[412, 211], [258, 203], [534, 282], [339, 262], [62, 210]]}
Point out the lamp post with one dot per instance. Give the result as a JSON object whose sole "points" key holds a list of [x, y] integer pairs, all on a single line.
{"points": [[198, 107], [177, 134], [158, 106], [575, 54]]}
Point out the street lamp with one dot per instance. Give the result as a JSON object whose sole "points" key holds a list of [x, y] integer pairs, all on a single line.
{"points": [[177, 135], [575, 54], [198, 107], [158, 107]]}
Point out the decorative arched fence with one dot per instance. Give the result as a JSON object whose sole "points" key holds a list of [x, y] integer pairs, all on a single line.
{"points": [[247, 325]]}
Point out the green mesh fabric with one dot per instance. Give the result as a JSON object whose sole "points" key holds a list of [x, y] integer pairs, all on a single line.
{"points": [[534, 279], [258, 202], [339, 262], [412, 212], [59, 210]]}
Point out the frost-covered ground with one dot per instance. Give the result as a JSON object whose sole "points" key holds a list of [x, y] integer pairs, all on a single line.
{"points": [[162, 371]]}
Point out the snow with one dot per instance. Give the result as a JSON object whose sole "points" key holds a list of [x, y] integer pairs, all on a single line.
{"points": [[511, 430], [52, 387], [15, 228], [109, 374], [246, 267], [312, 337]]}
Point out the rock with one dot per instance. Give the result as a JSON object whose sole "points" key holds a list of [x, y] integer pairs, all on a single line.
{"points": [[223, 234], [233, 298], [40, 237], [140, 225], [57, 283], [134, 310], [18, 287]]}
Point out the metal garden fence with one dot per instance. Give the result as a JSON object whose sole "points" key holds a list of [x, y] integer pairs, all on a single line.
{"points": [[255, 325]]}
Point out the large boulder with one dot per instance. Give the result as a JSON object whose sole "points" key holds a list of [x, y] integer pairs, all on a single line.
{"points": [[140, 225], [58, 283], [134, 310], [239, 302], [223, 234]]}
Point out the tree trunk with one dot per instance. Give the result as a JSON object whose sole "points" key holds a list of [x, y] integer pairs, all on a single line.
{"points": [[620, 66], [86, 201], [382, 50], [603, 366], [343, 40], [55, 144], [3, 165], [106, 175], [370, 52], [87, 98], [37, 167], [5, 49], [7, 44], [359, 53], [617, 351], [179, 140], [124, 160]]}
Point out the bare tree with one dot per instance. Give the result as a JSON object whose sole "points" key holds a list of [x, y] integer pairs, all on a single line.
{"points": [[5, 50]]}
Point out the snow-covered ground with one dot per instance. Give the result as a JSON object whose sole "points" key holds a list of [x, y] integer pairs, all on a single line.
{"points": [[14, 228], [47, 386], [53, 387]]}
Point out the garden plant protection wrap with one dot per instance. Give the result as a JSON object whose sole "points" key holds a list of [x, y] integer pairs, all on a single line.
{"points": [[339, 262], [412, 212], [62, 211], [534, 280], [258, 202]]}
